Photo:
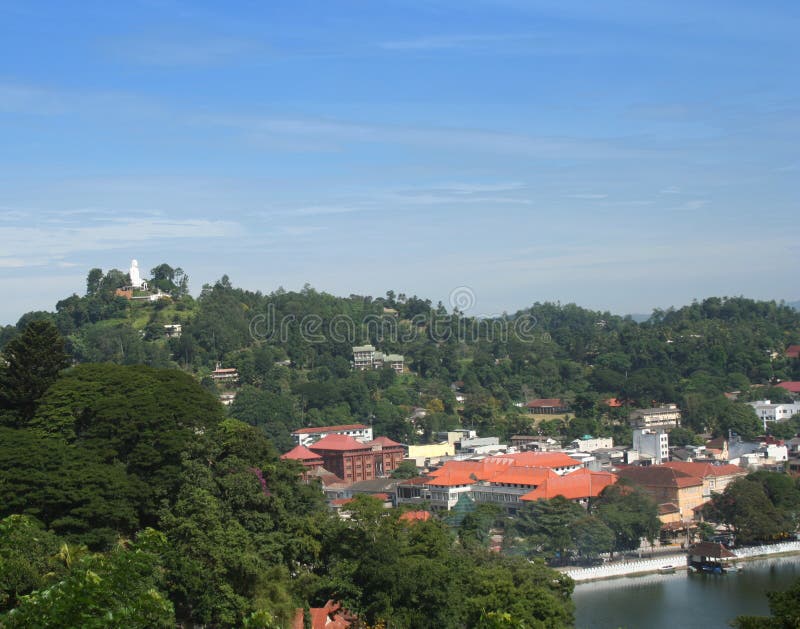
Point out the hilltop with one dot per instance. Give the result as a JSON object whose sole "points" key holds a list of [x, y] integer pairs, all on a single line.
{"points": [[293, 355]]}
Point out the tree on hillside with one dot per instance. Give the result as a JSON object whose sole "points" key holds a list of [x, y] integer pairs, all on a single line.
{"points": [[33, 361], [93, 280]]}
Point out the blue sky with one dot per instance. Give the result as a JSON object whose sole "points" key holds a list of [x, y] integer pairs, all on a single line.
{"points": [[621, 155]]}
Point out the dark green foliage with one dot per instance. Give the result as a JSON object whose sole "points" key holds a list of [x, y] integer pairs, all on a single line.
{"points": [[557, 530], [104, 450], [406, 469], [27, 558], [630, 513], [760, 507], [32, 362], [69, 488], [239, 522], [123, 588], [271, 412]]}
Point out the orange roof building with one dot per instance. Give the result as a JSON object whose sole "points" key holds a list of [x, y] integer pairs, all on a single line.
{"points": [[332, 616], [579, 486]]}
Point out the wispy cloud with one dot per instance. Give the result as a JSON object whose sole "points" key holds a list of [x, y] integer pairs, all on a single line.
{"points": [[174, 52], [589, 196], [670, 190], [461, 42], [23, 245], [269, 132]]}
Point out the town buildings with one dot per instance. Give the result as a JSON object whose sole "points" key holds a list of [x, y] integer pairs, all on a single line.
{"points": [[367, 357], [685, 485], [668, 416]]}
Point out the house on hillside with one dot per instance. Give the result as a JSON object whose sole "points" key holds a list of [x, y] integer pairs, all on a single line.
{"points": [[547, 406], [667, 416]]}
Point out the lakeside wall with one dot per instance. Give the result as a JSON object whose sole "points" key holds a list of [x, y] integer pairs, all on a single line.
{"points": [[678, 560]]}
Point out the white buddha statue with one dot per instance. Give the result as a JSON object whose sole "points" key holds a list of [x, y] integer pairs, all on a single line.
{"points": [[136, 278]]}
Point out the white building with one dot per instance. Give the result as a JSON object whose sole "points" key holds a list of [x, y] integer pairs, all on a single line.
{"points": [[652, 444], [768, 412], [367, 357], [309, 436], [587, 443], [668, 416]]}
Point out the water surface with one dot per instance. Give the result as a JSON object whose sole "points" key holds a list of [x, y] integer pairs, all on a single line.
{"points": [[682, 600]]}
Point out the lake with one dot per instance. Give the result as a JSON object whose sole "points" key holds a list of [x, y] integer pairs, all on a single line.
{"points": [[682, 600]]}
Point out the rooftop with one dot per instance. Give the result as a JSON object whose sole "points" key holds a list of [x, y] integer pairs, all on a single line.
{"points": [[320, 429], [549, 402], [339, 442], [577, 485], [301, 453]]}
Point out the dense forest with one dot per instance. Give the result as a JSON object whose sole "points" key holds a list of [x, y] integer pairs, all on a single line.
{"points": [[129, 499], [293, 353], [132, 498]]}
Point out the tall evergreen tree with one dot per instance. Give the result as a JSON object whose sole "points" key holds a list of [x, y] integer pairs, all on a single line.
{"points": [[33, 361]]}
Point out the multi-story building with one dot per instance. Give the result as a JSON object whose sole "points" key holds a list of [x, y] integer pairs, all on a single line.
{"points": [[308, 436], [363, 357], [668, 416], [367, 357], [349, 459], [768, 412], [502, 480], [651, 444]]}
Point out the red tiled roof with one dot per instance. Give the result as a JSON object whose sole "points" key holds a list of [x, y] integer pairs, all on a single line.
{"points": [[659, 476], [381, 496], [532, 476], [329, 617], [385, 442], [792, 387], [520, 468], [539, 459], [301, 453], [612, 402], [704, 470], [416, 516], [578, 485], [338, 442], [666, 508], [547, 402], [453, 478], [319, 429], [339, 502], [793, 351]]}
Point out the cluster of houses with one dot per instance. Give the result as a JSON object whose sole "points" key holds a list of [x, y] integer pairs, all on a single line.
{"points": [[348, 460]]}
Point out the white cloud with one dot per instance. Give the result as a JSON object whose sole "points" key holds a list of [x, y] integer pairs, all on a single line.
{"points": [[42, 244], [587, 196], [173, 52]]}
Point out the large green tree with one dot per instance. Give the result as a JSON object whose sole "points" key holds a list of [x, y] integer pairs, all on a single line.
{"points": [[630, 513], [31, 363]]}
